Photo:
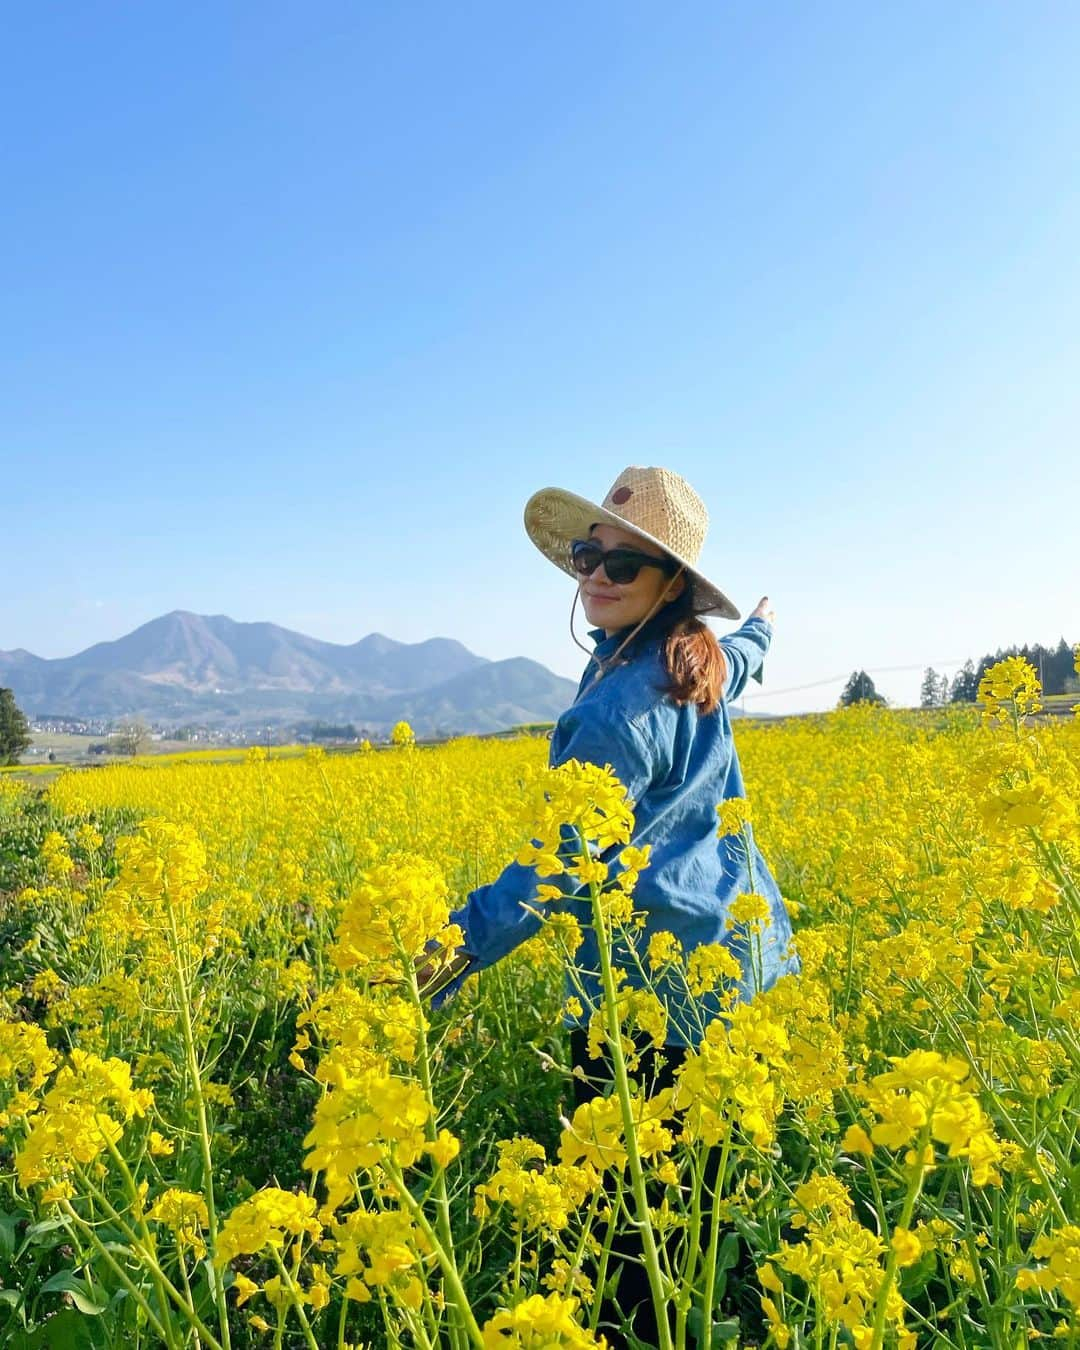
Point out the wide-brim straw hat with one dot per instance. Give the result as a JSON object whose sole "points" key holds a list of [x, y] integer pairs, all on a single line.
{"points": [[655, 503]]}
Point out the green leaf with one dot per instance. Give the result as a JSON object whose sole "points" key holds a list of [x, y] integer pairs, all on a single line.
{"points": [[8, 1224], [65, 1331], [67, 1282], [726, 1258], [727, 1330]]}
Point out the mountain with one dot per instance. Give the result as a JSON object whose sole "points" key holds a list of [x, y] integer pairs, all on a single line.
{"points": [[210, 669]]}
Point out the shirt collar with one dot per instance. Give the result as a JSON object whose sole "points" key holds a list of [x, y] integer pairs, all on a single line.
{"points": [[604, 645]]}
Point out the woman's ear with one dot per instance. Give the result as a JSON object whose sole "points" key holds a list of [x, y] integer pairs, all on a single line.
{"points": [[676, 587]]}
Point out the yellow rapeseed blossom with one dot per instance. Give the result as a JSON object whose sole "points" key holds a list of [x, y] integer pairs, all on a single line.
{"points": [[922, 1096], [539, 1323], [185, 1214], [365, 1115], [269, 1219], [1010, 686], [1061, 1273], [402, 734], [390, 916], [734, 813], [930, 860]]}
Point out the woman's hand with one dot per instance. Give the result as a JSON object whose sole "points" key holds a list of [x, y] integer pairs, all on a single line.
{"points": [[435, 971], [763, 611], [433, 968]]}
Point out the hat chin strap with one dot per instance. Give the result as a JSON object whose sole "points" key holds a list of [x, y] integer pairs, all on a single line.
{"points": [[602, 667]]}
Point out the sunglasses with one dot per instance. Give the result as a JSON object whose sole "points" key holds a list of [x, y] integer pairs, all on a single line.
{"points": [[621, 565]]}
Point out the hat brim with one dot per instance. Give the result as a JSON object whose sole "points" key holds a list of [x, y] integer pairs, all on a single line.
{"points": [[555, 517]]}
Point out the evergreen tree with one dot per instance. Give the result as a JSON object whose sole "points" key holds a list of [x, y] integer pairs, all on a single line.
{"points": [[1059, 669], [930, 693], [14, 731], [860, 689], [965, 684]]}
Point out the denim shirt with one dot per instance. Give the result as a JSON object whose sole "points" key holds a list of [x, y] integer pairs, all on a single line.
{"points": [[677, 766]]}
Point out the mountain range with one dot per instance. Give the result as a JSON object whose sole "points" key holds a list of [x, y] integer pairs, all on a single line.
{"points": [[188, 668]]}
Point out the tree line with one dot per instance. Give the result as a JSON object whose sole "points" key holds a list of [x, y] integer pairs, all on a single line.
{"points": [[1054, 666]]}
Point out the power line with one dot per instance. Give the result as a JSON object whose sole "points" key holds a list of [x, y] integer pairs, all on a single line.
{"points": [[835, 679]]}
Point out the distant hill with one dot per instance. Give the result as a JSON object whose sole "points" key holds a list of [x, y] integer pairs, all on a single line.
{"points": [[186, 667]]}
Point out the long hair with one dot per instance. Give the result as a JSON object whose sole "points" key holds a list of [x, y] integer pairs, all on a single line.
{"points": [[695, 664]]}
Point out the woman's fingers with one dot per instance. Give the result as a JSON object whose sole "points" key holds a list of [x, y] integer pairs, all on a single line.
{"points": [[764, 610]]}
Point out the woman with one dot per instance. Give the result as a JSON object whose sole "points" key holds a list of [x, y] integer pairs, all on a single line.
{"points": [[653, 704]]}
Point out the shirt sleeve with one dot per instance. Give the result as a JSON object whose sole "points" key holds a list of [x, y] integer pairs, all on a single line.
{"points": [[494, 918], [744, 651]]}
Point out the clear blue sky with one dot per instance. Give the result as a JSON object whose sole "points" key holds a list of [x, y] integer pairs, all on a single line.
{"points": [[301, 303]]}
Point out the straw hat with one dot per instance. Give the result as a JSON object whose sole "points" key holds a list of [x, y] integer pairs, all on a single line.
{"points": [[655, 503]]}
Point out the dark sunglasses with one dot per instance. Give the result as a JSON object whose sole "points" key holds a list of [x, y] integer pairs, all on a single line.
{"points": [[621, 565]]}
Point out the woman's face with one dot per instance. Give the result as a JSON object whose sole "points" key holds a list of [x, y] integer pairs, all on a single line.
{"points": [[612, 607]]}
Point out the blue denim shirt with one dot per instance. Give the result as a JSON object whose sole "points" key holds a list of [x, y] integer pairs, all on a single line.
{"points": [[677, 766]]}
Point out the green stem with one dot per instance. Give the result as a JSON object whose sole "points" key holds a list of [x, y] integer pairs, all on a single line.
{"points": [[449, 1266], [115, 1267], [905, 1222], [689, 1273], [148, 1241], [295, 1294], [714, 1243], [637, 1177], [217, 1287], [149, 1259]]}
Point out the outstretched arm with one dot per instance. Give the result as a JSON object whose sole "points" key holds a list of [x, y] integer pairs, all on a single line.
{"points": [[744, 650], [494, 918]]}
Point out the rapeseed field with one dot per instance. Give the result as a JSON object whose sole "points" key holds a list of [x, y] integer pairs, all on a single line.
{"points": [[229, 1115]]}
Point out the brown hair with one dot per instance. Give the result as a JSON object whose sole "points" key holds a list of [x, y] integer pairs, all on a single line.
{"points": [[692, 655]]}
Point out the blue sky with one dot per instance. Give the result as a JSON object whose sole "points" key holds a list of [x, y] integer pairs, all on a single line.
{"points": [[303, 302]]}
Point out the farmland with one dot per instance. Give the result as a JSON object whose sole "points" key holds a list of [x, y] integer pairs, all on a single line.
{"points": [[231, 1118]]}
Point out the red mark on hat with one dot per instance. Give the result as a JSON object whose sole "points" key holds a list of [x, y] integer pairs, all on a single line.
{"points": [[621, 495]]}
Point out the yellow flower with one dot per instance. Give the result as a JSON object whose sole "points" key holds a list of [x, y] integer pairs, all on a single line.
{"points": [[664, 948], [402, 734], [185, 1213], [768, 1279], [734, 814], [539, 1323], [244, 1289], [266, 1220], [750, 909], [922, 1095], [390, 916], [366, 1114], [445, 1149], [708, 965], [906, 1246], [55, 855], [856, 1140], [1061, 1251], [160, 1147], [1012, 684]]}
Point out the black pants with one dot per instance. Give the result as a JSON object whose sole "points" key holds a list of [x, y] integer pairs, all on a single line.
{"points": [[627, 1252]]}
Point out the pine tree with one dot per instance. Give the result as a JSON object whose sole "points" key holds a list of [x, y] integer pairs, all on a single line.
{"points": [[860, 689], [929, 694], [14, 731], [965, 684]]}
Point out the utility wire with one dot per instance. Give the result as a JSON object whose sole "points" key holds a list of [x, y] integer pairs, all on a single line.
{"points": [[835, 679]]}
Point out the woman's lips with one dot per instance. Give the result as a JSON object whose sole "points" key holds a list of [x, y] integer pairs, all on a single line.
{"points": [[602, 599]]}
